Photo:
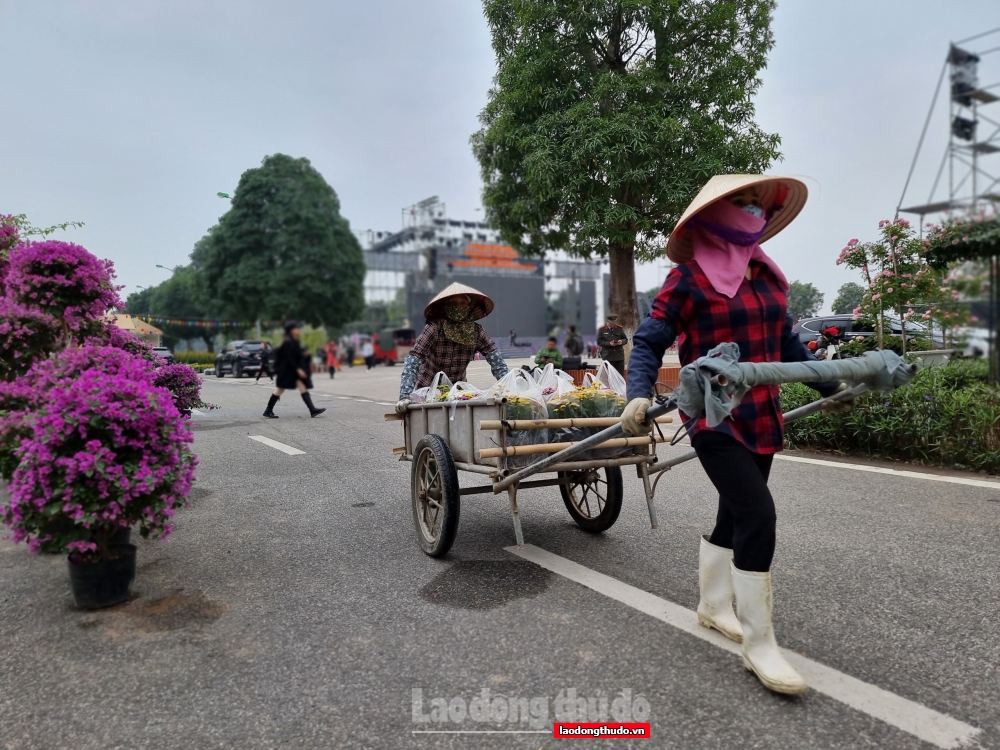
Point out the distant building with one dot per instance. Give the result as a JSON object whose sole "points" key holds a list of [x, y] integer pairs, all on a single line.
{"points": [[432, 251], [138, 328]]}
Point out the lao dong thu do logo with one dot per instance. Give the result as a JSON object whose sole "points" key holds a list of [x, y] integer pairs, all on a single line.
{"points": [[536, 713]]}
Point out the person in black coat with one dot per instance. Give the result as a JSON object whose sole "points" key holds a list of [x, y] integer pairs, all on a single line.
{"points": [[291, 370], [266, 362]]}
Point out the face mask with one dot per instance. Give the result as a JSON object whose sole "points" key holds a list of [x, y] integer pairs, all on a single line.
{"points": [[754, 210]]}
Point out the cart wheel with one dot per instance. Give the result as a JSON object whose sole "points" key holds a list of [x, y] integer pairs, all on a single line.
{"points": [[434, 485], [593, 501]]}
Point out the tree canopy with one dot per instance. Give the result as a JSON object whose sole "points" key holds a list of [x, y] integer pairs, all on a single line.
{"points": [[606, 118], [804, 300], [848, 298], [283, 250]]}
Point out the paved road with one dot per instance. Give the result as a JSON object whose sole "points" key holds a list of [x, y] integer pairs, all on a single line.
{"points": [[292, 608]]}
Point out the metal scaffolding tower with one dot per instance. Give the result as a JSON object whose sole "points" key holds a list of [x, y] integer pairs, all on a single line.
{"points": [[973, 136]]}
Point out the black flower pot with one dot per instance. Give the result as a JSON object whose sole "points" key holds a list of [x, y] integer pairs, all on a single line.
{"points": [[122, 536], [105, 582]]}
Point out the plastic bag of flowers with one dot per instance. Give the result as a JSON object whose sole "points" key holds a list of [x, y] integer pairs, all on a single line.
{"points": [[606, 377], [554, 383], [524, 401], [592, 401], [101, 451], [436, 391]]}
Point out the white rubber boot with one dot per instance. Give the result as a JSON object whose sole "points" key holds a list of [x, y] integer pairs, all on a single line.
{"points": [[760, 651], [715, 610]]}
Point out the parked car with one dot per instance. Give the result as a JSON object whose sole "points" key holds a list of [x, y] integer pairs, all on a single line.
{"points": [[238, 358], [809, 329], [162, 351], [974, 342]]}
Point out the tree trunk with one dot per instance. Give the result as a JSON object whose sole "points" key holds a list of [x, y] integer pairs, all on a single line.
{"points": [[621, 300]]}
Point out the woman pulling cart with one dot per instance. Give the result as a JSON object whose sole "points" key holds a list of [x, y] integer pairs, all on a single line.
{"points": [[725, 288]]}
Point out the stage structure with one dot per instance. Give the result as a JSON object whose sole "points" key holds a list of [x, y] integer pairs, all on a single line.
{"points": [[973, 133], [431, 251]]}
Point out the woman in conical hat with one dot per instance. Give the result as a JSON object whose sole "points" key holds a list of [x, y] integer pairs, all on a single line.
{"points": [[726, 288], [449, 341]]}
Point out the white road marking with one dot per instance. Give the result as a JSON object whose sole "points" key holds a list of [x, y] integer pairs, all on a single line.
{"points": [[343, 398], [385, 403], [197, 411], [280, 446], [922, 722], [893, 472]]}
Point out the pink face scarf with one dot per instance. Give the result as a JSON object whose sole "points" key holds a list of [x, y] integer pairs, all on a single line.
{"points": [[725, 241]]}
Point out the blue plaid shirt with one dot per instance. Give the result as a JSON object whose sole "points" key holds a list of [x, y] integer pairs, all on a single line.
{"points": [[690, 310]]}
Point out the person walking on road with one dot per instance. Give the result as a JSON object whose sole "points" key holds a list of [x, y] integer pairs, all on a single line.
{"points": [[266, 362], [350, 354], [449, 341], [368, 353], [612, 339], [513, 337], [550, 354], [290, 358], [725, 288], [331, 357]]}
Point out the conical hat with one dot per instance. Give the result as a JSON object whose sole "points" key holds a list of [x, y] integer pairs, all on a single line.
{"points": [[769, 188], [481, 304]]}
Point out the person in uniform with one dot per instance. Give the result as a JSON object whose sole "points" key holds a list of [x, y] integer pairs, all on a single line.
{"points": [[449, 341], [612, 339], [289, 361], [725, 288]]}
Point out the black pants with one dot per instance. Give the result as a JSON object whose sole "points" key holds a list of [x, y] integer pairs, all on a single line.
{"points": [[746, 519], [370, 361], [333, 371]]}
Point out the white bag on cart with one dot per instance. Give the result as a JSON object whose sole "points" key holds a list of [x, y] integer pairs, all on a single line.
{"points": [[433, 391], [608, 377], [554, 383], [524, 401]]}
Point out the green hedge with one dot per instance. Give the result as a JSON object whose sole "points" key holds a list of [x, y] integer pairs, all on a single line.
{"points": [[195, 358], [948, 416]]}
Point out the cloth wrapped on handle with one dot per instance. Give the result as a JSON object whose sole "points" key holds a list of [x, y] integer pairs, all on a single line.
{"points": [[697, 394]]}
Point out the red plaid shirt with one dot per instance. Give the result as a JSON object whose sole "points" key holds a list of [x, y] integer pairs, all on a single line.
{"points": [[440, 354], [756, 319]]}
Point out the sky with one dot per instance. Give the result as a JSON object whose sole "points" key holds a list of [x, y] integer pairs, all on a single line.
{"points": [[131, 115]]}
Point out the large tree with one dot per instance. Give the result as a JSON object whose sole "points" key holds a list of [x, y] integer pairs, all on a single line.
{"points": [[176, 297], [606, 118], [283, 249], [848, 298], [804, 300]]}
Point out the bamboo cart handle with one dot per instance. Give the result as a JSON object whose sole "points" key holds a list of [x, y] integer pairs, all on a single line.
{"points": [[528, 450], [541, 424]]}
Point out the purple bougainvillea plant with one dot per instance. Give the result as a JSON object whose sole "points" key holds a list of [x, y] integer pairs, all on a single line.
{"points": [[63, 280], [92, 439], [106, 449]]}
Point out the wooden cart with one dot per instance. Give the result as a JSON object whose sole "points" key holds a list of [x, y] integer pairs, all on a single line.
{"points": [[443, 439]]}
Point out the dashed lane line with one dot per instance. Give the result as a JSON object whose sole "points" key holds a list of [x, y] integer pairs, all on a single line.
{"points": [[893, 472], [911, 717], [280, 446]]}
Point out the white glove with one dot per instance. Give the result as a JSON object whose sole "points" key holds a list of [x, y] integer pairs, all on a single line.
{"points": [[402, 406], [841, 406], [634, 416]]}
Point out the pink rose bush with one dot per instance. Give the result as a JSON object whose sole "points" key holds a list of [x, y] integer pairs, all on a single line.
{"points": [[899, 278]]}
